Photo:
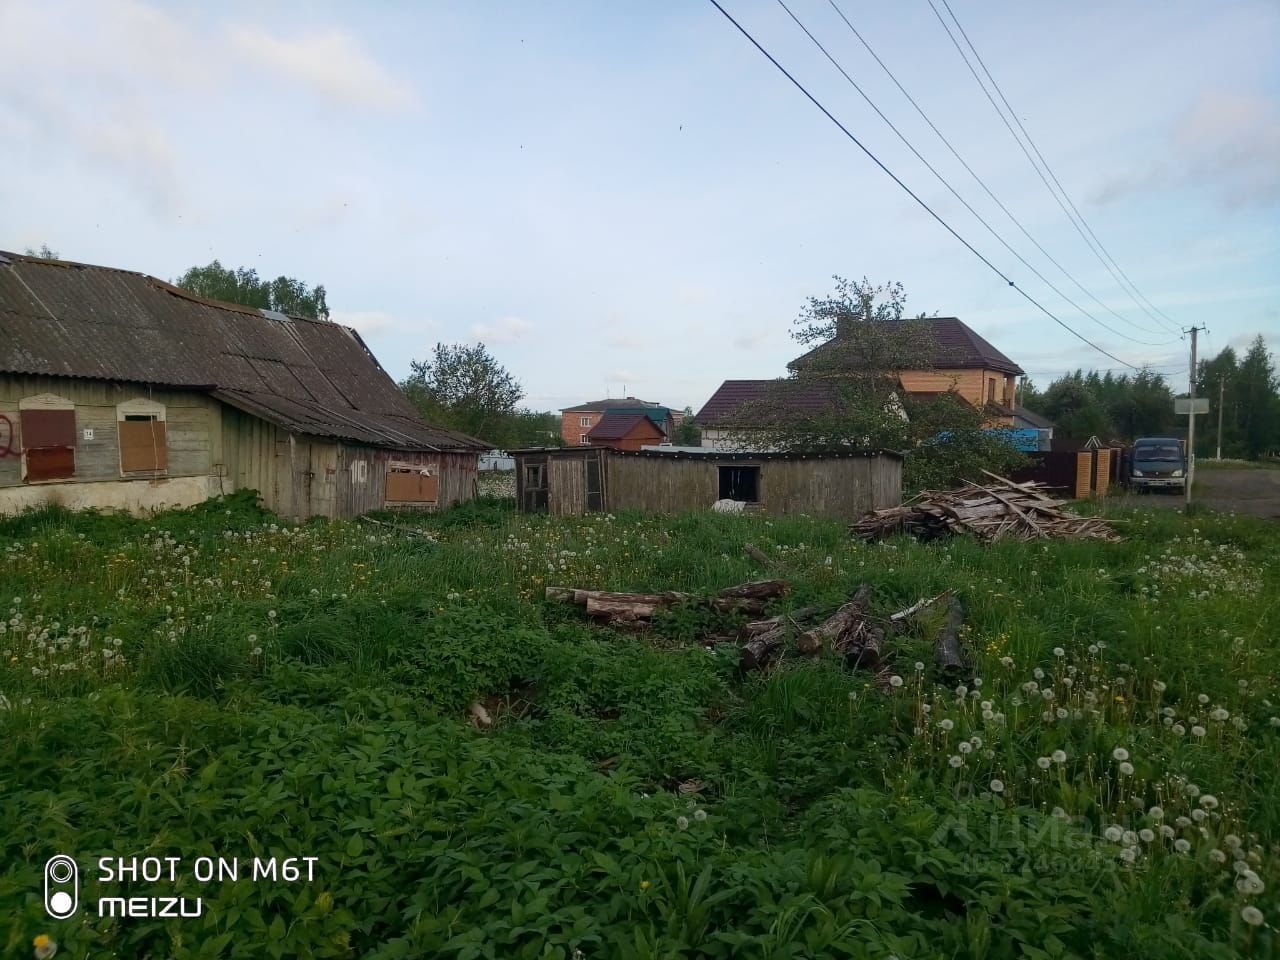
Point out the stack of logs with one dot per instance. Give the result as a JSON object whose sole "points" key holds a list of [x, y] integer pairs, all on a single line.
{"points": [[850, 630]]}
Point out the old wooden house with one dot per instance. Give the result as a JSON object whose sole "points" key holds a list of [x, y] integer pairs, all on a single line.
{"points": [[573, 480], [118, 390]]}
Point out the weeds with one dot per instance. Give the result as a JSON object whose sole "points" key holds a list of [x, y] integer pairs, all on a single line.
{"points": [[218, 681]]}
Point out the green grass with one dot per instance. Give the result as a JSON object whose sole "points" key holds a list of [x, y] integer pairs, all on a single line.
{"points": [[1208, 463], [220, 682]]}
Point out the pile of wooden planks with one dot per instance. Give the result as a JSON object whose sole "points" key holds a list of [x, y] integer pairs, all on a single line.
{"points": [[996, 510]]}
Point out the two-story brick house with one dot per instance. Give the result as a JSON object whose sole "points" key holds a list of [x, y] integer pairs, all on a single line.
{"points": [[961, 363], [578, 421]]}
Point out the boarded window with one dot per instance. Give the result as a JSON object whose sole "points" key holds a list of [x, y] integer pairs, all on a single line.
{"points": [[143, 444], [50, 463], [42, 429], [412, 484], [48, 443]]}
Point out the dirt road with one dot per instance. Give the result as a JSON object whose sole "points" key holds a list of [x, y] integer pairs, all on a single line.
{"points": [[1242, 490]]}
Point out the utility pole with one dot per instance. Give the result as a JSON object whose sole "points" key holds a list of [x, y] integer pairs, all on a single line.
{"points": [[1191, 422], [1221, 385]]}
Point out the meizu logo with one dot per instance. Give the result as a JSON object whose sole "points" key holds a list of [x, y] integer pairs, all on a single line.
{"points": [[150, 907], [61, 886]]}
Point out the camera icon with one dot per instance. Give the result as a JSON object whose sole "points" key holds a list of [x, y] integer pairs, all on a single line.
{"points": [[61, 886]]}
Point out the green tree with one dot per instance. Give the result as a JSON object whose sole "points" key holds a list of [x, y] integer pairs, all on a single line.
{"points": [[688, 434], [465, 388], [244, 286], [1073, 406], [1260, 406], [846, 392]]}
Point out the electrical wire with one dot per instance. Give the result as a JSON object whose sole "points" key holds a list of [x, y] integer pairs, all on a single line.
{"points": [[911, 193], [1094, 244], [943, 180], [982, 183]]}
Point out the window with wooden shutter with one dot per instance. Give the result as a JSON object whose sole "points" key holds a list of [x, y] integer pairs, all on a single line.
{"points": [[412, 483], [48, 426], [143, 444], [143, 436]]}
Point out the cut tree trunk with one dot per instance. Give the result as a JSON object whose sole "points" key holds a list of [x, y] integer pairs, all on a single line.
{"points": [[838, 624], [868, 652], [764, 638], [756, 590], [758, 555], [947, 652]]}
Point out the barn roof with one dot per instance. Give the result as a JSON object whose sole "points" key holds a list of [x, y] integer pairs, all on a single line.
{"points": [[615, 426], [958, 347], [733, 394], [310, 376]]}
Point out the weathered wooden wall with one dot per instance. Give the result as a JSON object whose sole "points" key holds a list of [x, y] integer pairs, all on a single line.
{"points": [[567, 485], [842, 487], [225, 448], [660, 485], [194, 441]]}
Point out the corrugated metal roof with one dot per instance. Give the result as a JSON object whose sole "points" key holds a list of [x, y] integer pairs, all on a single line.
{"points": [[710, 453], [958, 347], [310, 376]]}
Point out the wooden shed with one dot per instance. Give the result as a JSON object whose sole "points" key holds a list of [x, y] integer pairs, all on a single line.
{"points": [[118, 390], [571, 480]]}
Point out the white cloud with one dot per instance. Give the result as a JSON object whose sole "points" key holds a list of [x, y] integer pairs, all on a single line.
{"points": [[329, 62], [1227, 142], [503, 330], [626, 377]]}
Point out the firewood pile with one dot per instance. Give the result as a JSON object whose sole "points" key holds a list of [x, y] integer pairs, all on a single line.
{"points": [[851, 631], [997, 510]]}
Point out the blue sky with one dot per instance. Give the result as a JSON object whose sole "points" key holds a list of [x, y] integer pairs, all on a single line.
{"points": [[618, 195]]}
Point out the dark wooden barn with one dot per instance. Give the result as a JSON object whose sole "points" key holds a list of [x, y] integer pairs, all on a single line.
{"points": [[572, 480]]}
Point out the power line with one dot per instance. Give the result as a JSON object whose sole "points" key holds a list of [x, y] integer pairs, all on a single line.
{"points": [[982, 183], [943, 180], [911, 193], [1094, 244]]}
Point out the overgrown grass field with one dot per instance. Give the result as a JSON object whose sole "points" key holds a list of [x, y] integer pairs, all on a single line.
{"points": [[218, 682]]}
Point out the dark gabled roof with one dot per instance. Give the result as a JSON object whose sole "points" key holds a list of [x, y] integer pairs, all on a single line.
{"points": [[624, 402], [958, 347], [615, 426], [66, 319], [1033, 418], [733, 394]]}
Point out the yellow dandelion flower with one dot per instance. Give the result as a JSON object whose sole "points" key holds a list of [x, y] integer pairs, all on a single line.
{"points": [[644, 884]]}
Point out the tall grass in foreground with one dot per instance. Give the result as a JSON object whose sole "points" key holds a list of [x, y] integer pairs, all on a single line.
{"points": [[219, 681]]}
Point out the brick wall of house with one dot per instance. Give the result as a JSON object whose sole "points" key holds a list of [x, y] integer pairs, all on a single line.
{"points": [[574, 424]]}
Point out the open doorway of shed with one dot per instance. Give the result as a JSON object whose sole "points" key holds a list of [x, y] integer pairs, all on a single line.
{"points": [[740, 483]]}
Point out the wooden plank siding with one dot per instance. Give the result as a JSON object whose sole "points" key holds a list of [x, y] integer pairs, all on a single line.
{"points": [[193, 442], [841, 486], [225, 448], [567, 486]]}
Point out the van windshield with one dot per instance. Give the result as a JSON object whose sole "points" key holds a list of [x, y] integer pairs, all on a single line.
{"points": [[1161, 451]]}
